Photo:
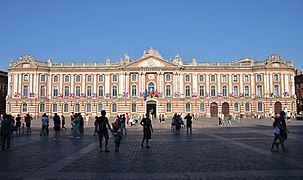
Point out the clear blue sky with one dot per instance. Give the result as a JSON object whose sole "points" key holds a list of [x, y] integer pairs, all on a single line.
{"points": [[211, 31]]}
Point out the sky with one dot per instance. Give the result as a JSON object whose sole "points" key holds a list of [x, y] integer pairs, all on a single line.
{"points": [[210, 31]]}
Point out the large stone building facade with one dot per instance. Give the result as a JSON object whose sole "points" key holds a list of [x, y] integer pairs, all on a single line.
{"points": [[299, 91], [151, 83], [3, 91]]}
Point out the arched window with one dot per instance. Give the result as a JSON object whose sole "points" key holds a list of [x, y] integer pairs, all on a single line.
{"points": [[77, 107], [212, 78], [115, 91], [236, 91], [201, 91], [89, 78], [187, 107], [89, 91], [42, 91], [259, 90], [247, 107], [246, 91], [224, 79], [134, 90], [236, 107], [259, 78], [114, 107], [246, 78], [25, 91], [202, 109], [115, 78], [100, 91], [24, 107], [277, 90], [276, 77], [134, 77], [55, 91], [78, 78], [168, 90], [224, 91], [66, 91], [55, 108], [100, 78], [151, 86], [42, 107], [56, 78], [187, 90], [260, 106], [168, 107], [290, 90], [201, 78], [78, 91], [235, 78], [213, 90], [66, 78], [134, 107], [187, 78]]}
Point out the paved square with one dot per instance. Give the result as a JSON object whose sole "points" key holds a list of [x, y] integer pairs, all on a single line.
{"points": [[211, 152]]}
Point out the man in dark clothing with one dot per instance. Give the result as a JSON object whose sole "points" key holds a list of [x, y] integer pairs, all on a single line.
{"points": [[6, 128], [81, 123], [57, 126], [102, 122], [189, 122]]}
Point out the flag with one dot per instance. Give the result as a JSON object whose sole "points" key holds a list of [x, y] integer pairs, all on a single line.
{"points": [[271, 94], [177, 94], [242, 95], [194, 95], [286, 93], [94, 95], [219, 95], [231, 95], [71, 96], [207, 95], [60, 96], [156, 93], [145, 94], [107, 95], [83, 95]]}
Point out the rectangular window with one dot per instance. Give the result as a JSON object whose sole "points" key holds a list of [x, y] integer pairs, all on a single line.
{"points": [[43, 78], [65, 108], [114, 107], [134, 77], [236, 107], [55, 108], [56, 78], [100, 107], [247, 107], [66, 78], [187, 107], [201, 107], [134, 107], [100, 78], [24, 107], [168, 107], [88, 108], [42, 107], [260, 108], [26, 77], [167, 77], [55, 91]]}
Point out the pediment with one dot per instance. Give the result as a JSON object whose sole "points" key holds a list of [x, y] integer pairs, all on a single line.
{"points": [[151, 62]]}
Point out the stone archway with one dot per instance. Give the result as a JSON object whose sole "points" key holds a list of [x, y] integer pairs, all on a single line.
{"points": [[151, 107], [213, 109], [278, 107], [225, 109]]}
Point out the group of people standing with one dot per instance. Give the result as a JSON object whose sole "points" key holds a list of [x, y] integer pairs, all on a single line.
{"points": [[280, 131], [177, 122]]}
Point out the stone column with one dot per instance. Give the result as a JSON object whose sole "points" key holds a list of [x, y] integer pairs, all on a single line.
{"points": [[72, 79], [143, 81], [230, 85], [292, 82], [174, 86], [207, 88], [49, 85], [121, 83], [95, 83], [282, 84], [107, 83], [182, 85], [271, 83], [265, 85], [61, 84], [31, 83], [15, 76], [83, 84], [158, 81], [241, 83], [140, 82], [9, 80], [127, 82], [252, 84], [286, 82], [19, 83], [219, 90], [195, 83]]}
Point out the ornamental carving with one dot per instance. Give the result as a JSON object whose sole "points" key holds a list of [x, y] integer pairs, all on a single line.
{"points": [[151, 63], [151, 52]]}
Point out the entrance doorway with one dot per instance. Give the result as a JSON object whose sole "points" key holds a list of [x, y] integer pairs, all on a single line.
{"points": [[151, 107], [213, 109], [225, 109], [278, 107]]}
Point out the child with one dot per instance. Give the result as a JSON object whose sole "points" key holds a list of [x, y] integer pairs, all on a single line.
{"points": [[23, 128]]}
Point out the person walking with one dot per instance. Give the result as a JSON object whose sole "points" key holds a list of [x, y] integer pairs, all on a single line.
{"points": [[18, 124], [229, 120], [189, 123], [6, 129], [123, 123], [147, 130], [28, 120], [102, 122], [57, 127], [63, 123], [44, 123], [277, 130]]}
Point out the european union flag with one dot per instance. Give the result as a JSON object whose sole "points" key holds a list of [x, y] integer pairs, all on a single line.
{"points": [[145, 94]]}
